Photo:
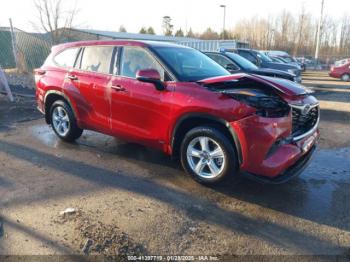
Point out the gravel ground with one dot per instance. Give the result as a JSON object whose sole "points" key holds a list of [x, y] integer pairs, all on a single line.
{"points": [[129, 199]]}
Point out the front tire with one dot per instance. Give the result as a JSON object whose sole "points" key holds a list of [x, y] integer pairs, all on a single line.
{"points": [[208, 155], [63, 122], [345, 77]]}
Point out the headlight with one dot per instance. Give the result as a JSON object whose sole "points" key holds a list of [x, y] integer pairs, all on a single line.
{"points": [[266, 104]]}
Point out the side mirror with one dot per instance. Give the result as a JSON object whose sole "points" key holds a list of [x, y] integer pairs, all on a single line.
{"points": [[150, 76], [231, 67]]}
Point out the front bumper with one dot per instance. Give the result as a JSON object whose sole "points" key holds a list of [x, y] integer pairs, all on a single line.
{"points": [[269, 152], [334, 74], [293, 171]]}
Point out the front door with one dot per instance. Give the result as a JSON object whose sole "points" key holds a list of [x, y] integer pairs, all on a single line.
{"points": [[138, 110]]}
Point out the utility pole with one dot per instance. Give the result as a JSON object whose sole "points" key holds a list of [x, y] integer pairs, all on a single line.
{"points": [[224, 24], [319, 33], [14, 44]]}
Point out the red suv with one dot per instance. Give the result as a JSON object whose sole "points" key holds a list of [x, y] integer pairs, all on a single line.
{"points": [[180, 101]]}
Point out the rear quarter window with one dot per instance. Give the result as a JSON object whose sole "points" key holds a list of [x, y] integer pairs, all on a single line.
{"points": [[66, 58]]}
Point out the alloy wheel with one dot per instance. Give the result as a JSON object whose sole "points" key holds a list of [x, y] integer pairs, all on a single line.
{"points": [[60, 120], [345, 77], [206, 157]]}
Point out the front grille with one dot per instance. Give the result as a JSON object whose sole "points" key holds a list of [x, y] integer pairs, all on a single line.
{"points": [[304, 121]]}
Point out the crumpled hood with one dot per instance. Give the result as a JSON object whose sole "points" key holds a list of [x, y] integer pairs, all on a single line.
{"points": [[283, 86]]}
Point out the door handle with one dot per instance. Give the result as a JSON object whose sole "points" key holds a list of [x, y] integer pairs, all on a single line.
{"points": [[118, 88], [73, 77]]}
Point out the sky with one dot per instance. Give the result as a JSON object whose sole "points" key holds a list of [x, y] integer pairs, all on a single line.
{"points": [[199, 15]]}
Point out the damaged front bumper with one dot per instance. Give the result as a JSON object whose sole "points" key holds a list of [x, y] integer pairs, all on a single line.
{"points": [[293, 171], [269, 152]]}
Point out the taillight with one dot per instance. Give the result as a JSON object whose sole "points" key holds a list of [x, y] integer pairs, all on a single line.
{"points": [[38, 74]]}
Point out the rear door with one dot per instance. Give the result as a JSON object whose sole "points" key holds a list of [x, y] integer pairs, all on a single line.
{"points": [[92, 75]]}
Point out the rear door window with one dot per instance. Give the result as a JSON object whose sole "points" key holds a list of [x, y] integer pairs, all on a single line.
{"points": [[67, 57], [97, 59]]}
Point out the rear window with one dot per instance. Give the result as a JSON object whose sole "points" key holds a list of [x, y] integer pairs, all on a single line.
{"points": [[97, 59], [66, 58]]}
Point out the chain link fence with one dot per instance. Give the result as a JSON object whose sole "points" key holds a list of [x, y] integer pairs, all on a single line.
{"points": [[31, 50]]}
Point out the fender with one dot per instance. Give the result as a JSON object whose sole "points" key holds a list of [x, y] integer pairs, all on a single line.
{"points": [[213, 119]]}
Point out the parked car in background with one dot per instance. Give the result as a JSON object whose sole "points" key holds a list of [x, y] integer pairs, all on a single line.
{"points": [[289, 60], [285, 57], [261, 60], [341, 71], [235, 63], [277, 59], [178, 100]]}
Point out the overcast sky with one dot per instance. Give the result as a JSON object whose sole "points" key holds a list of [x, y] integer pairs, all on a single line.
{"points": [[133, 14]]}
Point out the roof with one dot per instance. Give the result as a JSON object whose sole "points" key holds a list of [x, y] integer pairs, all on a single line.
{"points": [[124, 42], [122, 35]]}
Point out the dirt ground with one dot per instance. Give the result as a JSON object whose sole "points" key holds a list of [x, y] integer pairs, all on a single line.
{"points": [[131, 200]]}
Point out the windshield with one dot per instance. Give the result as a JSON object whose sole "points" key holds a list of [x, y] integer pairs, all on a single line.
{"points": [[288, 59], [264, 57], [189, 65], [242, 62]]}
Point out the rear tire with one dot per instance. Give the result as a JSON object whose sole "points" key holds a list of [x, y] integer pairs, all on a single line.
{"points": [[345, 77], [208, 155], [63, 121]]}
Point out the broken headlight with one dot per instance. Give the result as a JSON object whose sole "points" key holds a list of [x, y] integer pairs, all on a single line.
{"points": [[266, 104]]}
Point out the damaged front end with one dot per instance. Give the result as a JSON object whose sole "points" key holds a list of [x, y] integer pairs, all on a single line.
{"points": [[279, 138]]}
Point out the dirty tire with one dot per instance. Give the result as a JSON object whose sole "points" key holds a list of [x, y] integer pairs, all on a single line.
{"points": [[219, 158], [345, 77], [61, 112]]}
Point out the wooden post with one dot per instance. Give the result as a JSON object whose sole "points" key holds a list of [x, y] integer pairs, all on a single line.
{"points": [[14, 44], [5, 85]]}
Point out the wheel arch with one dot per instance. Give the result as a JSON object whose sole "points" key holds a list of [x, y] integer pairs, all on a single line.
{"points": [[192, 120], [345, 74], [51, 97]]}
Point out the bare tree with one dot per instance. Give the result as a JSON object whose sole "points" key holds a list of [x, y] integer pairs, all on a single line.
{"points": [[344, 41], [167, 26], [210, 34], [54, 19]]}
